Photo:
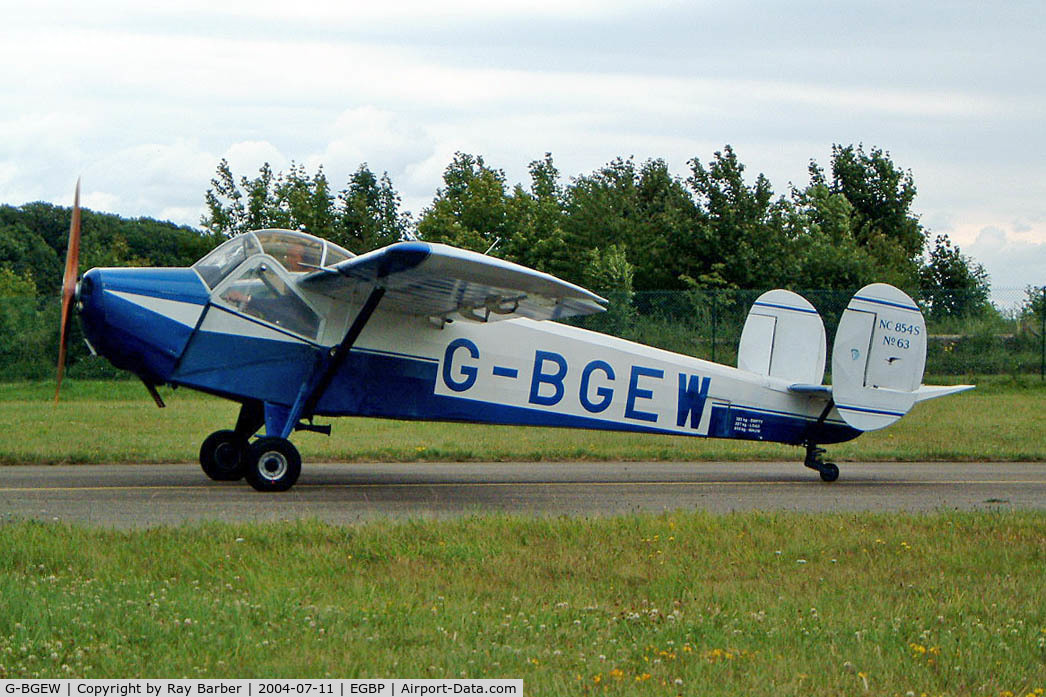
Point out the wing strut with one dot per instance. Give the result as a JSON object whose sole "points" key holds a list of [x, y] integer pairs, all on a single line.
{"points": [[340, 352], [316, 385]]}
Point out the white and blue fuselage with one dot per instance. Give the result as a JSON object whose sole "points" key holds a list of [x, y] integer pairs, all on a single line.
{"points": [[171, 326]]}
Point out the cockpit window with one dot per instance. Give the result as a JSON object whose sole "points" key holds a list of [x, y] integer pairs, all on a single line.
{"points": [[223, 259], [295, 251], [335, 255], [261, 292]]}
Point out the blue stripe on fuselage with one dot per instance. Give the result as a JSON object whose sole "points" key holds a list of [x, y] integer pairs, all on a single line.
{"points": [[390, 386]]}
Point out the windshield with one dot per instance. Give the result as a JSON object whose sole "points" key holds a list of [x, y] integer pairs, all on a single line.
{"points": [[226, 257], [296, 251]]}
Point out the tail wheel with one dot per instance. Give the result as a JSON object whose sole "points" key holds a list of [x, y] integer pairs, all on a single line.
{"points": [[223, 456], [829, 471], [273, 464]]}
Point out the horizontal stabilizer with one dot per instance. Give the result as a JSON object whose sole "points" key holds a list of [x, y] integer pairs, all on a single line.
{"points": [[812, 390], [437, 280], [926, 392]]}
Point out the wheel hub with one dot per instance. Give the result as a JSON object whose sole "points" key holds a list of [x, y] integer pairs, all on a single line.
{"points": [[227, 455], [272, 465]]}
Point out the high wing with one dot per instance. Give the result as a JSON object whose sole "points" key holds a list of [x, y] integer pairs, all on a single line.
{"points": [[436, 280]]}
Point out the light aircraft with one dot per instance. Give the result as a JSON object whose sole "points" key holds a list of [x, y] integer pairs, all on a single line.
{"points": [[293, 327]]}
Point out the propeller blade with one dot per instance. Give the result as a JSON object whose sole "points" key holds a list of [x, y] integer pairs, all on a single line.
{"points": [[72, 262]]}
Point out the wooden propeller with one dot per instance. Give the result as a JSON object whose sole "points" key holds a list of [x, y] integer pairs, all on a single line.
{"points": [[72, 262]]}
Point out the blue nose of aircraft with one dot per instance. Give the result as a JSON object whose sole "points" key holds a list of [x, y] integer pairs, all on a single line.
{"points": [[141, 319], [89, 302]]}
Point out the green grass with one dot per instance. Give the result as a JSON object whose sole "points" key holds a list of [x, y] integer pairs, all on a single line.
{"points": [[681, 603], [116, 422]]}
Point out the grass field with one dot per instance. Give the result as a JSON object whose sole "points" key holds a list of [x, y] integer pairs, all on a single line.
{"points": [[683, 603], [673, 604], [116, 422]]}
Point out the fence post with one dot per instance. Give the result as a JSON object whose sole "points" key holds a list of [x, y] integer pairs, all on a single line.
{"points": [[1042, 339], [715, 318]]}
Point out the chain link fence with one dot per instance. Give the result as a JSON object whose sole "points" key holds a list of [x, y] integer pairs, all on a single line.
{"points": [[1009, 338]]}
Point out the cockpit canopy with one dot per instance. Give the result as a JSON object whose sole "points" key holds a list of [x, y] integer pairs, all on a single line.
{"points": [[296, 251]]}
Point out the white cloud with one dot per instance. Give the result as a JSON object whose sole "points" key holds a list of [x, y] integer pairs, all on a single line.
{"points": [[1013, 263], [8, 173], [247, 157], [378, 137], [97, 200], [332, 11], [150, 178], [144, 99]]}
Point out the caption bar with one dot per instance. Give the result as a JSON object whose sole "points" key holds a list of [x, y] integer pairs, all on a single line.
{"points": [[258, 688]]}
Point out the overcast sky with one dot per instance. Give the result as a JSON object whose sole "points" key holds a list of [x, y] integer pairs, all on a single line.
{"points": [[143, 101]]}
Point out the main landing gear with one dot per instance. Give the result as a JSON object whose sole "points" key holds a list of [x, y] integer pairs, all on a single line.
{"points": [[222, 456], [829, 471], [268, 464]]}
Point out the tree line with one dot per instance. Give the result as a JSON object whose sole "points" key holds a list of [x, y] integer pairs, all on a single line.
{"points": [[628, 226], [632, 226], [624, 230]]}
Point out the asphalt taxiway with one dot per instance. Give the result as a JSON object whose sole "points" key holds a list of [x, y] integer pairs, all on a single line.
{"points": [[146, 495]]}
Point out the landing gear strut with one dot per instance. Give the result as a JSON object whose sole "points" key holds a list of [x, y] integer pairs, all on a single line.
{"points": [[224, 455], [829, 471]]}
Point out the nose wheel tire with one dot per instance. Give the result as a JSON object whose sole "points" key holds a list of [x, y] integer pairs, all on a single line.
{"points": [[273, 464], [223, 456]]}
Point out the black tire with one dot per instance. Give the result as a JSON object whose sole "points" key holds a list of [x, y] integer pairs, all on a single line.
{"points": [[829, 472], [273, 464], [223, 456]]}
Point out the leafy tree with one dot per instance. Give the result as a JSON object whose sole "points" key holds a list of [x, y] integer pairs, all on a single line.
{"points": [[47, 220], [828, 256], [952, 284], [110, 250], [882, 220], [27, 255], [742, 241], [34, 237], [537, 238], [1034, 306], [292, 201], [25, 352], [645, 210], [609, 273], [470, 209], [304, 202], [368, 215], [364, 216], [226, 213]]}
